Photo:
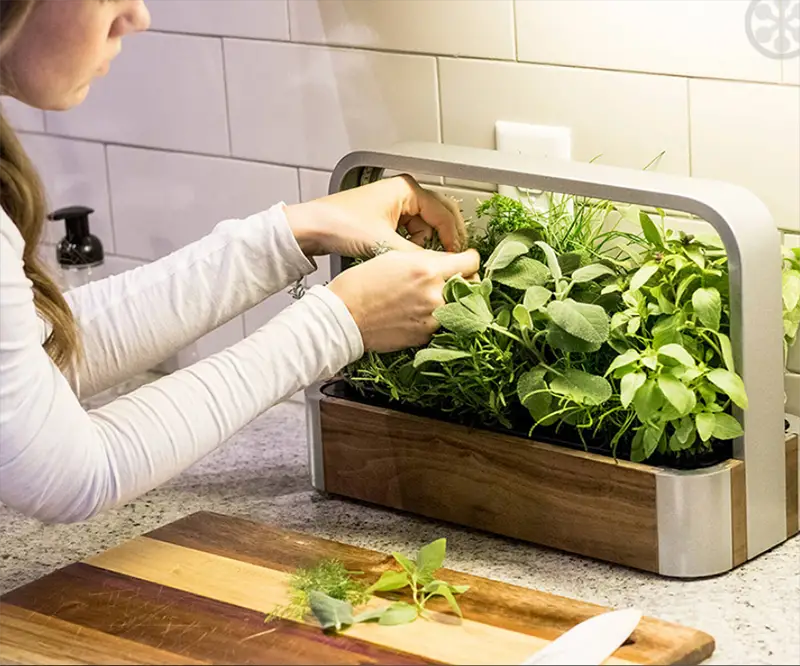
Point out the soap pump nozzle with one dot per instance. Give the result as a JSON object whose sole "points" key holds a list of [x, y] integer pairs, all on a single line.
{"points": [[79, 251]]}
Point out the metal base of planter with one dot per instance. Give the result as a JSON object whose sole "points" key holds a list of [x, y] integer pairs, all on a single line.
{"points": [[680, 523]]}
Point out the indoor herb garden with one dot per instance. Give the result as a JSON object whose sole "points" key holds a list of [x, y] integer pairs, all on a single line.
{"points": [[583, 334]]}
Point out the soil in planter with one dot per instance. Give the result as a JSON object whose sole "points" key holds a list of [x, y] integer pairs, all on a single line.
{"points": [[566, 436]]}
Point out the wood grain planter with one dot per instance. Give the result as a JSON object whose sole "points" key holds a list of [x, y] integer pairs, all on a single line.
{"points": [[673, 522]]}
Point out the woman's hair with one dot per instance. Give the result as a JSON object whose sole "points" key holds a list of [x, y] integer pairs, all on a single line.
{"points": [[23, 199]]}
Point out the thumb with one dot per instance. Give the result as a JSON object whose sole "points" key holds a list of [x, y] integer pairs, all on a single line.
{"points": [[464, 263]]}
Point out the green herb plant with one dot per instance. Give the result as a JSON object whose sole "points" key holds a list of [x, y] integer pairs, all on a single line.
{"points": [[337, 613]]}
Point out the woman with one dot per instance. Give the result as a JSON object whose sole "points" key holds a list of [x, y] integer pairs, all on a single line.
{"points": [[61, 463]]}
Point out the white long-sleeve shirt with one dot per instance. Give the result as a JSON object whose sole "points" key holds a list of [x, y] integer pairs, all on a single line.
{"points": [[61, 463]]}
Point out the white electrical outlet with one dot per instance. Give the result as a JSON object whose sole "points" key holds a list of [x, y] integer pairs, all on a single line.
{"points": [[541, 141]]}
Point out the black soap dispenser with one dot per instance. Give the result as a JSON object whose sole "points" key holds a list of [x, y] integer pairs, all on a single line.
{"points": [[79, 253]]}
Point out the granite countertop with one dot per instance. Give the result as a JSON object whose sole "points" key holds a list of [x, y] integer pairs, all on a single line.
{"points": [[752, 612]]}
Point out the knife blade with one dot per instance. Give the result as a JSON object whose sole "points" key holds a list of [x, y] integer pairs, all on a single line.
{"points": [[589, 643]]}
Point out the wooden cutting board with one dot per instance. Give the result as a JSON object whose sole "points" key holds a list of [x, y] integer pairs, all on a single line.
{"points": [[197, 591]]}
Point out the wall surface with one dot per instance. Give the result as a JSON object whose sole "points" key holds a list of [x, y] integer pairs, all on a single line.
{"points": [[228, 106]]}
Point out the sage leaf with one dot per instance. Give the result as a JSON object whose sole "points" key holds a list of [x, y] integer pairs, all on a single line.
{"points": [[524, 272], [456, 287], [731, 384], [591, 272], [429, 354], [390, 580], [533, 394], [680, 396], [477, 304], [569, 262], [643, 275], [629, 385], [672, 353], [330, 613], [707, 305], [582, 387], [648, 401], [651, 232], [552, 260], [705, 425], [399, 612], [536, 297], [506, 251], [727, 427], [581, 320], [429, 559], [558, 338], [459, 319]]}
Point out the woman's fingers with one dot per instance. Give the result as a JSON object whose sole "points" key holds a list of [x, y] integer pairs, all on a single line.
{"points": [[437, 213]]}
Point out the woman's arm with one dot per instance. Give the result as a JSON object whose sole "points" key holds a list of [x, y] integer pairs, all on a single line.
{"points": [[60, 463], [135, 320]]}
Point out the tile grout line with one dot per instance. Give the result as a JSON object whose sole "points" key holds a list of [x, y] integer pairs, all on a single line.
{"points": [[689, 123], [439, 105], [110, 198], [515, 26], [288, 19], [431, 54], [227, 97]]}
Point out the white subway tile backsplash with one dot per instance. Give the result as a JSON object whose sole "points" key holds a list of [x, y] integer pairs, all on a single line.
{"points": [[22, 117], [791, 71], [313, 184], [309, 105], [163, 91], [749, 134], [479, 28], [163, 201], [265, 19], [73, 174], [705, 38], [626, 119]]}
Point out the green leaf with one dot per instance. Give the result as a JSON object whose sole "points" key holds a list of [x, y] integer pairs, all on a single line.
{"points": [[651, 232], [456, 287], [558, 338], [684, 285], [443, 589], [637, 446], [643, 275], [696, 255], [407, 564], [456, 317], [390, 580], [672, 353], [666, 330], [680, 396], [628, 357], [478, 305], [667, 306], [582, 387], [705, 425], [524, 272], [429, 354], [707, 305], [591, 272], [522, 316], [536, 297], [633, 325], [731, 384], [330, 613], [684, 435], [369, 615], [399, 612], [531, 391], [727, 351], [791, 289], [506, 251], [727, 427], [429, 559], [652, 436], [581, 320], [629, 385], [648, 401], [552, 260]]}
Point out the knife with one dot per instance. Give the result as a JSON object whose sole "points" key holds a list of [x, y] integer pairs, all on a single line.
{"points": [[589, 643]]}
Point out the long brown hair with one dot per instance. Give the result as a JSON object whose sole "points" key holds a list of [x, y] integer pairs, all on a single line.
{"points": [[23, 199]]}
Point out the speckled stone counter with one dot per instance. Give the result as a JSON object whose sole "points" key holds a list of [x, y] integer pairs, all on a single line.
{"points": [[752, 612]]}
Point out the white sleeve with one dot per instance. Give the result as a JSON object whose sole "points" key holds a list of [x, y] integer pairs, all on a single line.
{"points": [[60, 463], [133, 321]]}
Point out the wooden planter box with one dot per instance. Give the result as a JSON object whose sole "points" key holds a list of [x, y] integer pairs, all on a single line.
{"points": [[672, 522]]}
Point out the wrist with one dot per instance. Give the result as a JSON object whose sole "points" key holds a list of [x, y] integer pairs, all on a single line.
{"points": [[301, 220]]}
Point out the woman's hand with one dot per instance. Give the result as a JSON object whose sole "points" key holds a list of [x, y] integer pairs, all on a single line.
{"points": [[354, 223], [392, 297]]}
